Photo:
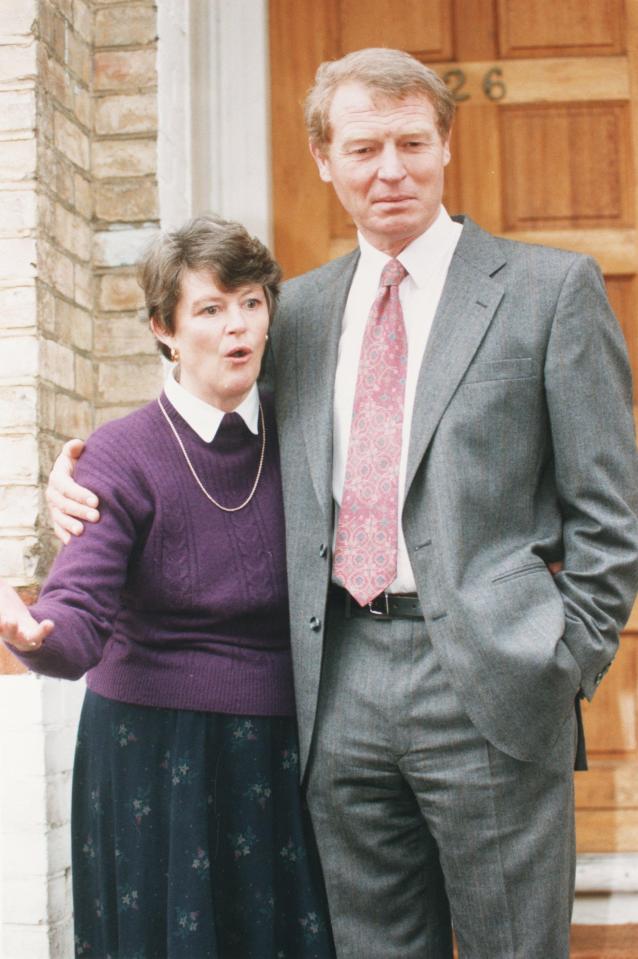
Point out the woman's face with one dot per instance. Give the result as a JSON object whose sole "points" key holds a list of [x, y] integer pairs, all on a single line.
{"points": [[220, 336]]}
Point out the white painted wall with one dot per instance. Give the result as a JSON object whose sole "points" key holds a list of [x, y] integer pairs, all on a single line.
{"points": [[214, 112], [174, 172], [38, 720]]}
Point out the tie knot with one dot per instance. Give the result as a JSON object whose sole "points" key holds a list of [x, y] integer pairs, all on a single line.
{"points": [[393, 273]]}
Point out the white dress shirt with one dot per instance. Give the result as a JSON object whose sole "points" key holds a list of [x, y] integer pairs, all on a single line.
{"points": [[427, 260], [204, 418]]}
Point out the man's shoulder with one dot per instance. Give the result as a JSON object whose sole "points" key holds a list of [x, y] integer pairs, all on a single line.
{"points": [[320, 277], [538, 255]]}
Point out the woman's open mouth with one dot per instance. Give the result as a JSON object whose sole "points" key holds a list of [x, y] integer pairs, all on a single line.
{"points": [[239, 354]]}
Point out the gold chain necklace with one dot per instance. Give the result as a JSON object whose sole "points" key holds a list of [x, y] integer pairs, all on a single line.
{"points": [[226, 509]]}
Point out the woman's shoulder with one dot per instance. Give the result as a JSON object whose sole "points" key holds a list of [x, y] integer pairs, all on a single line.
{"points": [[122, 446], [126, 431]]}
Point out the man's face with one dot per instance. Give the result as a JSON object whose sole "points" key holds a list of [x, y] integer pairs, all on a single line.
{"points": [[385, 161]]}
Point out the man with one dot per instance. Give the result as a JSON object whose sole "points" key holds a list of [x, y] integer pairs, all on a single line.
{"points": [[446, 435]]}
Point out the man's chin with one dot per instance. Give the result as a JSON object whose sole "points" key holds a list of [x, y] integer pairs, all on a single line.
{"points": [[392, 233]]}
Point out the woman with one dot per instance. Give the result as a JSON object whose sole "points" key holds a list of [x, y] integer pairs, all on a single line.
{"points": [[189, 838]]}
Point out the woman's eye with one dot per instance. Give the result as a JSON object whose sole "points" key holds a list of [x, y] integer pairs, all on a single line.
{"points": [[211, 310], [252, 303]]}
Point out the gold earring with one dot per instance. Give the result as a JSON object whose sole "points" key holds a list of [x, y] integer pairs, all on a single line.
{"points": [[266, 337], [174, 355]]}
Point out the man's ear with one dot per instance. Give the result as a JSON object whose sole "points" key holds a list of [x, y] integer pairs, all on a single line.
{"points": [[447, 156], [323, 165]]}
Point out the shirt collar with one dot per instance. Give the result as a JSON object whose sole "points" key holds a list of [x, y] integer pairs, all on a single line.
{"points": [[423, 255], [204, 418]]}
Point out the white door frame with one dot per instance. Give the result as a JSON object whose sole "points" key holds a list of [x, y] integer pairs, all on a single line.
{"points": [[214, 112]]}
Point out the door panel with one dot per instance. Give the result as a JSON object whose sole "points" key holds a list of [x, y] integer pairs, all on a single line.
{"points": [[536, 28], [543, 150], [375, 24], [593, 188]]}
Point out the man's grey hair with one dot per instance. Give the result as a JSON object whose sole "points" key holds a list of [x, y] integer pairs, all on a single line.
{"points": [[389, 73]]}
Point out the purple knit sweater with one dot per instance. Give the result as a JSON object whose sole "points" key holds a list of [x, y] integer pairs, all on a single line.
{"points": [[169, 601]]}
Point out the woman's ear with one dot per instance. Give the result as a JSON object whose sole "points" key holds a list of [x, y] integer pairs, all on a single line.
{"points": [[160, 333]]}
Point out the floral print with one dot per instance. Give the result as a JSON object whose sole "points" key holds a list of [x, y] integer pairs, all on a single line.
{"points": [[312, 926], [200, 863], [89, 848], [128, 899], [195, 842], [123, 734], [186, 922], [182, 771], [140, 806], [260, 792], [243, 843], [242, 731], [290, 853], [290, 759], [82, 948]]}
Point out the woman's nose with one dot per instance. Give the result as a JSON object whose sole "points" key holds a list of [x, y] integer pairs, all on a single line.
{"points": [[235, 321]]}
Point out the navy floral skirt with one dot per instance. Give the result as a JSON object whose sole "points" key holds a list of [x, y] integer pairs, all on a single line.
{"points": [[190, 840]]}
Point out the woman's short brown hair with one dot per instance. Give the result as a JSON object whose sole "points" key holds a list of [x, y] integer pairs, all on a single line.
{"points": [[206, 244], [390, 73]]}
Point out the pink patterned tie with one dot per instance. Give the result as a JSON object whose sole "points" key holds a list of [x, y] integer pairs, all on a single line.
{"points": [[365, 559]]}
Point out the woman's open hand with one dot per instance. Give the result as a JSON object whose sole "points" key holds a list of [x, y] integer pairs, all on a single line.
{"points": [[17, 625]]}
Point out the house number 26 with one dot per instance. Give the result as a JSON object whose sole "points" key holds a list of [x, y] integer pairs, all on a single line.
{"points": [[493, 84]]}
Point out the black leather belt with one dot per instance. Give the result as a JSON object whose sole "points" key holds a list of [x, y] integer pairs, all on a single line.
{"points": [[383, 606]]}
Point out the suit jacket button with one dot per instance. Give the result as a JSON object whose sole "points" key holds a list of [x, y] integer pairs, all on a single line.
{"points": [[601, 675], [315, 624], [323, 550]]}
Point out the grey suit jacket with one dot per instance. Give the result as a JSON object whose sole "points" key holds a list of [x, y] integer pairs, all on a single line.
{"points": [[522, 451]]}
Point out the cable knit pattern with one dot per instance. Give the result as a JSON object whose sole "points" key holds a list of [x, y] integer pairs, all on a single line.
{"points": [[169, 601], [250, 542]]}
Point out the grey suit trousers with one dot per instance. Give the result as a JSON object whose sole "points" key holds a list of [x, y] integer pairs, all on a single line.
{"points": [[419, 817]]}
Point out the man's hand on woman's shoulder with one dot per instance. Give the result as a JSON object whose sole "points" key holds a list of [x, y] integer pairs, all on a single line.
{"points": [[69, 503]]}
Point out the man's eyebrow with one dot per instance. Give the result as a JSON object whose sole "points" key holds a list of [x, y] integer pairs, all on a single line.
{"points": [[416, 133], [361, 138]]}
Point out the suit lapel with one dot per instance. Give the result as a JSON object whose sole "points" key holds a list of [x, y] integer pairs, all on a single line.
{"points": [[469, 301], [317, 349]]}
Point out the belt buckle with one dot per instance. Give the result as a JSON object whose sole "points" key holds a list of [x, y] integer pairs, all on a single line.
{"points": [[380, 613]]}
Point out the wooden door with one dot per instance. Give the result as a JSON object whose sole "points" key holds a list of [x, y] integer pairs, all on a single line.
{"points": [[543, 150]]}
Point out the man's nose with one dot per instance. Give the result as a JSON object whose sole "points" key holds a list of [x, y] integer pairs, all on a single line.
{"points": [[391, 167]]}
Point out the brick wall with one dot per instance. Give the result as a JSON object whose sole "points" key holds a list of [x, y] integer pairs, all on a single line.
{"points": [[19, 341], [78, 204], [63, 239], [124, 165]]}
